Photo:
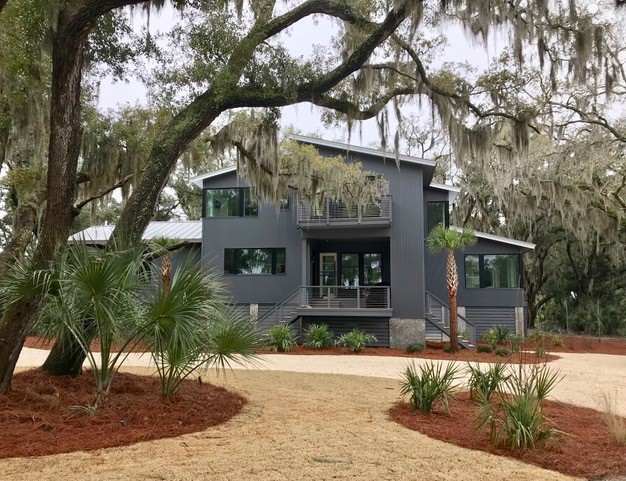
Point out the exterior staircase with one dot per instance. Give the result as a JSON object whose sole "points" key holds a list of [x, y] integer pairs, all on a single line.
{"points": [[284, 312], [438, 316]]}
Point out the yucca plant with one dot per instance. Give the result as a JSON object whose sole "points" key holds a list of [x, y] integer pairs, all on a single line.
{"points": [[356, 340], [281, 338], [318, 336], [515, 417], [484, 383], [430, 385]]}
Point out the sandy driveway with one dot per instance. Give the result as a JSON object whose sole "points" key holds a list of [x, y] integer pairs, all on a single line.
{"points": [[312, 426]]}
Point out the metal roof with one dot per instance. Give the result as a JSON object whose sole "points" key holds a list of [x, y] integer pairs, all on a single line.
{"points": [[190, 231], [452, 190], [497, 238]]}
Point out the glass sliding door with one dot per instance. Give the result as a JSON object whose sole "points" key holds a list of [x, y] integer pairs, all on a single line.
{"points": [[328, 272]]}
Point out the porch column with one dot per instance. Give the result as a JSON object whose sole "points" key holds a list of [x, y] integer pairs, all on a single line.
{"points": [[306, 263]]}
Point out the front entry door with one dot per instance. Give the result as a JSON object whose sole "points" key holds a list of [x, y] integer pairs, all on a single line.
{"points": [[328, 272]]}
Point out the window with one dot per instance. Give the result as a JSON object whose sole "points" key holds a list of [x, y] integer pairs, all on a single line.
{"points": [[349, 270], [364, 269], [234, 202], [438, 213], [251, 261], [492, 270]]}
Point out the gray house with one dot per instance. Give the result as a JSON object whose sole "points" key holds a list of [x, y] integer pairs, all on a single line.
{"points": [[363, 267]]}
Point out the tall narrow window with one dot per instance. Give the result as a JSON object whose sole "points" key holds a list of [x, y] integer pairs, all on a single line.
{"points": [[372, 268], [350, 269], [438, 214]]}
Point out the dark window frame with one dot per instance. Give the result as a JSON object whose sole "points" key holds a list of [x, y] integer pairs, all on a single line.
{"points": [[237, 256], [241, 200], [446, 213], [361, 266], [482, 276]]}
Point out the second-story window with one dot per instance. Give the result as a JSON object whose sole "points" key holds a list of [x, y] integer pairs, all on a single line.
{"points": [[438, 214], [232, 202]]}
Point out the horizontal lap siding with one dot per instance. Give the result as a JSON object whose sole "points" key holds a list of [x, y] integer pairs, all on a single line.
{"points": [[485, 318], [339, 326]]}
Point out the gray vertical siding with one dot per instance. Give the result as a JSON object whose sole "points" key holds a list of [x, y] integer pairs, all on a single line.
{"points": [[272, 228]]}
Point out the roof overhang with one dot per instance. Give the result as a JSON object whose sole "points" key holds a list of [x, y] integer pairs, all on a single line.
{"points": [[502, 240], [453, 191], [199, 179], [189, 231]]}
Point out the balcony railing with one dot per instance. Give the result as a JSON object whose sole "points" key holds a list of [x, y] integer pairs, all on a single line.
{"points": [[337, 213], [346, 297]]}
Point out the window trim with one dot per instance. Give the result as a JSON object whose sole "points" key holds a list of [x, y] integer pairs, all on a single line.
{"points": [[446, 213], [241, 203], [481, 271], [237, 254]]}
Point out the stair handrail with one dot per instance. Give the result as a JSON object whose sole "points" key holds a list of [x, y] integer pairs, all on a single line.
{"points": [[471, 325], [279, 305]]}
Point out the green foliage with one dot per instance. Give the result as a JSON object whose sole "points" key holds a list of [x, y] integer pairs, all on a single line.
{"points": [[281, 338], [318, 336], [515, 342], [446, 347], [191, 328], [415, 347], [430, 385], [557, 341], [496, 335], [443, 239], [513, 416], [502, 351], [356, 340], [484, 348], [484, 383]]}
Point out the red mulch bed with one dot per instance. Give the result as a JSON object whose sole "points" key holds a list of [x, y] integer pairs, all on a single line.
{"points": [[44, 343], [581, 344], [585, 449], [37, 418], [427, 353]]}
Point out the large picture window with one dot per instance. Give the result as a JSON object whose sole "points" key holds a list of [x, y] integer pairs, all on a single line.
{"points": [[251, 261], [492, 271], [233, 202]]}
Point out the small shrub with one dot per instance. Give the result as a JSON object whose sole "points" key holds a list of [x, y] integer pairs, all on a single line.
{"points": [[356, 340], [540, 351], [557, 341], [502, 351], [446, 347], [515, 419], [318, 336], [502, 334], [491, 338], [281, 338], [515, 342], [484, 348], [415, 347], [430, 385], [483, 384], [615, 424]]}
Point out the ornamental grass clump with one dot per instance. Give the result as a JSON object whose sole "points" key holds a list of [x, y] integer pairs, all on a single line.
{"points": [[356, 340], [614, 423], [281, 338], [484, 383], [318, 336], [430, 385], [514, 416]]}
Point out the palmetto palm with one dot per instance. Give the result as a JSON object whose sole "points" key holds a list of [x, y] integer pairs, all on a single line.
{"points": [[442, 239]]}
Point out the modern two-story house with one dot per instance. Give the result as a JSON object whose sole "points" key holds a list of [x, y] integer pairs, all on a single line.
{"points": [[360, 266]]}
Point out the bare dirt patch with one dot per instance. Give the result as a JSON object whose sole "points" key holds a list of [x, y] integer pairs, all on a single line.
{"points": [[584, 449], [39, 416]]}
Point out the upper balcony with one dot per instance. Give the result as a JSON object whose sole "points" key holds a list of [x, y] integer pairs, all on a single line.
{"points": [[336, 214]]}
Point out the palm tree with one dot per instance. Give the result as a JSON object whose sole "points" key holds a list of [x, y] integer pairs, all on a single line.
{"points": [[443, 239]]}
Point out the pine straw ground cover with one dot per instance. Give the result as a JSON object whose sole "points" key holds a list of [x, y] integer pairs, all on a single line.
{"points": [[41, 416], [584, 448]]}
